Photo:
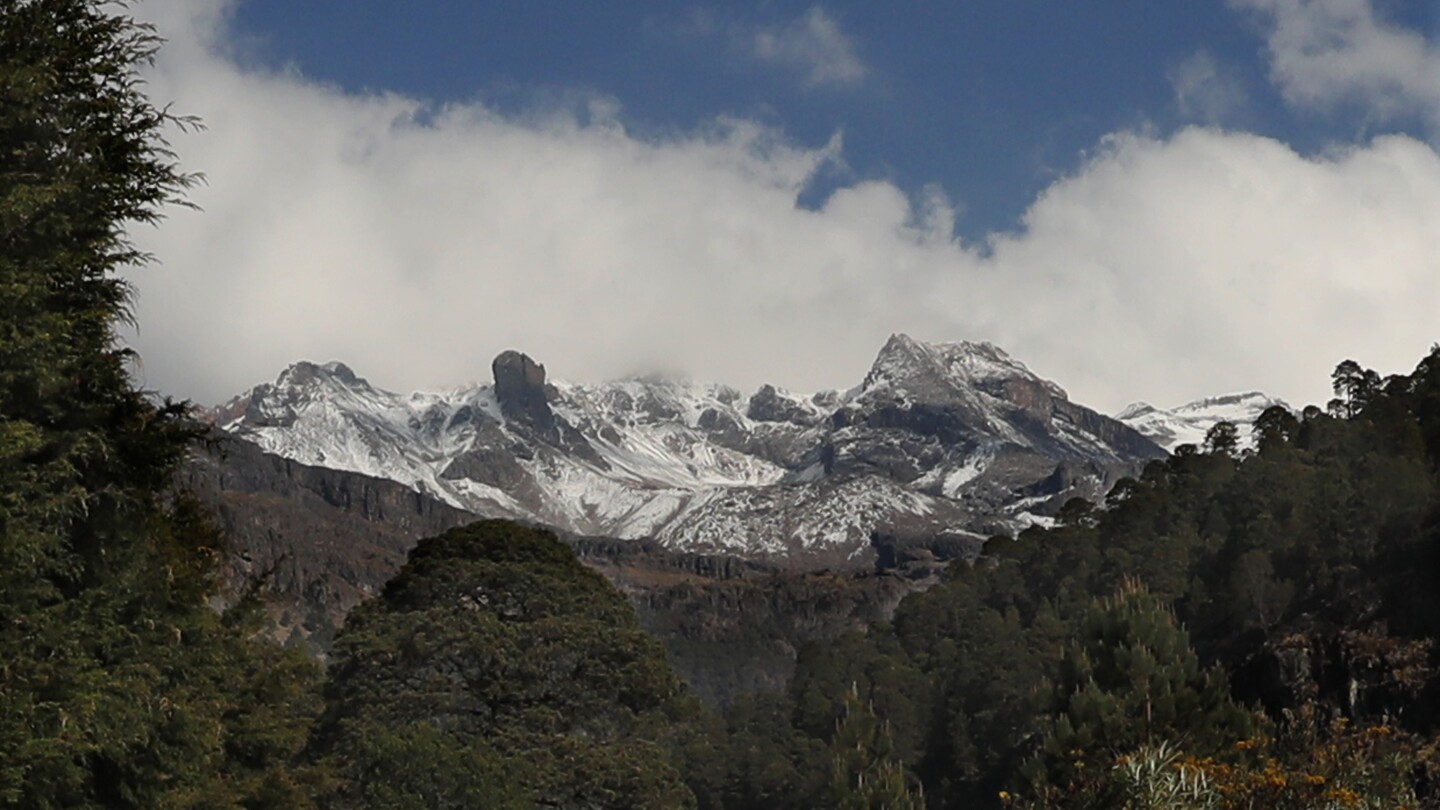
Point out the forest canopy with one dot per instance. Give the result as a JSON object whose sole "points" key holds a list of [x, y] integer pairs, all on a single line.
{"points": [[1256, 627]]}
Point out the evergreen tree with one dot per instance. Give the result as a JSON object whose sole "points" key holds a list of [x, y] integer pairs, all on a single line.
{"points": [[866, 774], [496, 656], [876, 668], [1275, 428], [1222, 438], [119, 687], [758, 760], [1354, 387], [1130, 678]]}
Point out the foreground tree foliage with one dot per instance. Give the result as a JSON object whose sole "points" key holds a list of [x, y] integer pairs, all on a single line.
{"points": [[517, 673], [119, 687], [1129, 679]]}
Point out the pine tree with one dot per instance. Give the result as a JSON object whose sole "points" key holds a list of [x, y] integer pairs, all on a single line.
{"points": [[119, 687], [1354, 387], [1130, 679], [866, 773], [1222, 438]]}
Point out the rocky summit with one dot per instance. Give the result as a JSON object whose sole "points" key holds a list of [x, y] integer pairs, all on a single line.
{"points": [[956, 438]]}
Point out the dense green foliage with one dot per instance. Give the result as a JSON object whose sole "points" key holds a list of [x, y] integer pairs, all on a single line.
{"points": [[1272, 589], [1130, 678], [866, 774], [495, 650], [119, 686]]}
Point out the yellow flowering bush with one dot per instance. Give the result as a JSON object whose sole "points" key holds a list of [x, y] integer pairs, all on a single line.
{"points": [[1309, 765]]}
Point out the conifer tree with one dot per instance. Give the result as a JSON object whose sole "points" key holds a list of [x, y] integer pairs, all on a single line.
{"points": [[867, 774], [1129, 679], [1222, 438], [119, 687]]}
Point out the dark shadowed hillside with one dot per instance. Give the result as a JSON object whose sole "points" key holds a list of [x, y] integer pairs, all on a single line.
{"points": [[316, 542]]}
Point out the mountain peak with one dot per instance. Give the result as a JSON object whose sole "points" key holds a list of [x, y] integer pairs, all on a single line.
{"points": [[340, 371], [900, 341], [932, 369], [520, 390], [700, 465], [512, 369], [1135, 410], [304, 373], [1188, 423]]}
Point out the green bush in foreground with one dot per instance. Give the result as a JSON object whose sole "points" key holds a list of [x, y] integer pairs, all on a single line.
{"points": [[503, 662]]}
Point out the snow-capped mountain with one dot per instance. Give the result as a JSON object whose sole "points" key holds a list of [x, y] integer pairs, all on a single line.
{"points": [[953, 437], [1189, 423]]}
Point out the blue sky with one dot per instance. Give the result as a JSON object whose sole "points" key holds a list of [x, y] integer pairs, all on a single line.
{"points": [[1142, 201], [989, 99]]}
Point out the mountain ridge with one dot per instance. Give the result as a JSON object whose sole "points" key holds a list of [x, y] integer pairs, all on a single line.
{"points": [[956, 437], [1188, 423]]}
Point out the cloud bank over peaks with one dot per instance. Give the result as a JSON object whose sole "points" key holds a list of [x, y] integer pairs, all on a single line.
{"points": [[416, 243]]}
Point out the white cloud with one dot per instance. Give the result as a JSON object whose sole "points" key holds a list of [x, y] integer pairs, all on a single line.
{"points": [[813, 45], [1204, 90], [417, 247], [1325, 53], [1223, 261]]}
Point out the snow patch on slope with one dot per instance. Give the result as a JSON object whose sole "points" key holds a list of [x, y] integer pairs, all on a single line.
{"points": [[938, 437], [1188, 423]]}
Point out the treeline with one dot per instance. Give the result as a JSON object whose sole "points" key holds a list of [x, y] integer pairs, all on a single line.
{"points": [[1232, 629]]}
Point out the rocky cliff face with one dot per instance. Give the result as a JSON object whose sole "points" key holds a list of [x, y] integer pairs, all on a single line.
{"points": [[315, 542], [520, 388], [955, 437]]}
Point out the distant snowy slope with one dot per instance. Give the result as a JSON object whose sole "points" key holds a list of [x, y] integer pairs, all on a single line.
{"points": [[938, 437], [1189, 423]]}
